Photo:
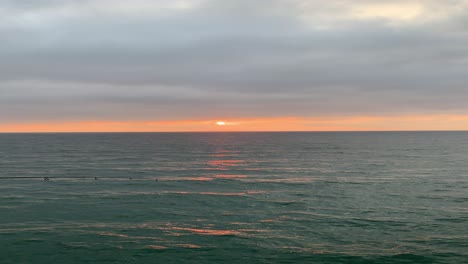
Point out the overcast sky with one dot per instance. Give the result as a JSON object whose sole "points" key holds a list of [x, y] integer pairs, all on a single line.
{"points": [[203, 59]]}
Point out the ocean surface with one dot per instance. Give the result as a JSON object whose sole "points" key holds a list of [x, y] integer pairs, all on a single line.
{"points": [[374, 197]]}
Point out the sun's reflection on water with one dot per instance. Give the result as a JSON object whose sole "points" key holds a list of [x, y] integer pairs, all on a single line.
{"points": [[227, 161]]}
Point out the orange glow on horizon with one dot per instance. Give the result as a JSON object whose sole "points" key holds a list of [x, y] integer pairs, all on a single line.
{"points": [[351, 123]]}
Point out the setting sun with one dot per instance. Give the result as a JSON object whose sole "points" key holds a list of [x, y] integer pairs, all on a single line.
{"points": [[220, 123]]}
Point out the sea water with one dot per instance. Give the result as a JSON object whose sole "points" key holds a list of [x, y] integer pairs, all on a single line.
{"points": [[370, 197]]}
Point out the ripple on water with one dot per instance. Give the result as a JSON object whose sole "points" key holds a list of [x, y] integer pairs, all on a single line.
{"points": [[208, 232], [250, 192]]}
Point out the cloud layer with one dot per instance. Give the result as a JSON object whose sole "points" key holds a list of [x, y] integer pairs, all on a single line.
{"points": [[163, 60]]}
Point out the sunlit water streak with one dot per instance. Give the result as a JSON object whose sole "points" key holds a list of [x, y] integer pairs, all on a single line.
{"points": [[234, 197]]}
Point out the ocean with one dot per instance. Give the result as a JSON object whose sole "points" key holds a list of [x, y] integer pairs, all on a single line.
{"points": [[331, 197]]}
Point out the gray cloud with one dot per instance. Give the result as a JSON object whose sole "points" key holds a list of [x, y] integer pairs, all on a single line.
{"points": [[102, 59]]}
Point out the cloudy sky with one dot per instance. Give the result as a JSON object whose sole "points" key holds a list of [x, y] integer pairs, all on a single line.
{"points": [[156, 65]]}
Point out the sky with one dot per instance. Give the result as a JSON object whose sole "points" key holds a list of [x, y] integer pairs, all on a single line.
{"points": [[264, 65]]}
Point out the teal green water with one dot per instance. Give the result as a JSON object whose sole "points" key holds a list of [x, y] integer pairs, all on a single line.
{"points": [[399, 197]]}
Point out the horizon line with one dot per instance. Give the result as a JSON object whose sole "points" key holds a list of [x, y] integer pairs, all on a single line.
{"points": [[245, 131]]}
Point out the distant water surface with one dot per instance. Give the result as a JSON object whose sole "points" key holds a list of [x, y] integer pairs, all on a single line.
{"points": [[396, 197]]}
